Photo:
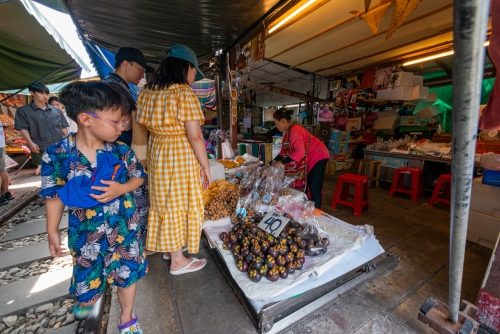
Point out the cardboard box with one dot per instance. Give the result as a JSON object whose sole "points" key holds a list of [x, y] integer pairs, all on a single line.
{"points": [[409, 121], [420, 93], [417, 80], [398, 93], [340, 136], [353, 124], [428, 112], [433, 97], [266, 152], [348, 163], [491, 177], [403, 79], [336, 148], [484, 198], [483, 229], [338, 157], [386, 121]]}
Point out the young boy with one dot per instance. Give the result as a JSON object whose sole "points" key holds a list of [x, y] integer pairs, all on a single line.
{"points": [[104, 240], [40, 124]]}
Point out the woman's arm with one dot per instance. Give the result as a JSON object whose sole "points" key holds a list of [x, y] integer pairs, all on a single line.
{"points": [[197, 141], [140, 136]]}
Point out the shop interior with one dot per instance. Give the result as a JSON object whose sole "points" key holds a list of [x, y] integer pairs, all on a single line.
{"points": [[373, 81]]}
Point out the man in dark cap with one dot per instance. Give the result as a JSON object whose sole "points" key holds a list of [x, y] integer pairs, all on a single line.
{"points": [[130, 66]]}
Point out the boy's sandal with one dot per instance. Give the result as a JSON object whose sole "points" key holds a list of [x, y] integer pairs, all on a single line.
{"points": [[130, 327], [186, 269], [167, 257], [81, 311]]}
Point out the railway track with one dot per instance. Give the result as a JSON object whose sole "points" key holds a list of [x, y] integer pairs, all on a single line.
{"points": [[34, 286]]}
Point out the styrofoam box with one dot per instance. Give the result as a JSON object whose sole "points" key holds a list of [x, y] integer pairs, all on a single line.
{"points": [[417, 80], [484, 198], [420, 93], [404, 79], [216, 171], [428, 112], [483, 229], [386, 121], [398, 93]]}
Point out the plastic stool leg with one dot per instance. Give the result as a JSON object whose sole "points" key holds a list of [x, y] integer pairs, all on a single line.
{"points": [[358, 198], [336, 195], [370, 176], [395, 181]]}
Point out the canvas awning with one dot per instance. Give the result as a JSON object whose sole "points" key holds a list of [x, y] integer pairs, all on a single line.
{"points": [[28, 52]]}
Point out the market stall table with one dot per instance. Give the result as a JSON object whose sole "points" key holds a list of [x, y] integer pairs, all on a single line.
{"points": [[354, 256], [393, 160]]}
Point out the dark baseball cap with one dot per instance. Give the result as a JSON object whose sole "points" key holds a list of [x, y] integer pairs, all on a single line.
{"points": [[131, 54]]}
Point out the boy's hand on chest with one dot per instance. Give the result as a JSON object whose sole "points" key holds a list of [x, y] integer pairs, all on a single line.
{"points": [[112, 191]]}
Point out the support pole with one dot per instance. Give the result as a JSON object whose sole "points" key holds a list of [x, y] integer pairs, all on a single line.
{"points": [[470, 18], [218, 100]]}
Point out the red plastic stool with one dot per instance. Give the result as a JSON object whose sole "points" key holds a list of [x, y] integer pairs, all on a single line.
{"points": [[445, 198], [360, 195], [417, 182]]}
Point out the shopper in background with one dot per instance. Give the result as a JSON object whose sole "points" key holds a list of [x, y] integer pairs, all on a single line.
{"points": [[4, 176], [302, 154], [40, 124], [130, 67], [55, 102], [177, 160]]}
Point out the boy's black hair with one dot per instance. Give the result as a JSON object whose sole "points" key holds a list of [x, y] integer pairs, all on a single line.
{"points": [[79, 97], [52, 99], [170, 71], [38, 87]]}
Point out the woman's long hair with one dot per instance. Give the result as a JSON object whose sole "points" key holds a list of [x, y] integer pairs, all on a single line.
{"points": [[171, 71]]}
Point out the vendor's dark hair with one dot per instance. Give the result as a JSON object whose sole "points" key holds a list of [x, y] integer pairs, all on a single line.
{"points": [[170, 71], [79, 97], [38, 87], [283, 113], [52, 99]]}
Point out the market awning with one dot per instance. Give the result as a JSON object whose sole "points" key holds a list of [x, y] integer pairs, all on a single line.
{"points": [[153, 26], [28, 52]]}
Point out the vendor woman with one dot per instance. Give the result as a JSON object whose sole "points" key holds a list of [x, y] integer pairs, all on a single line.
{"points": [[303, 155]]}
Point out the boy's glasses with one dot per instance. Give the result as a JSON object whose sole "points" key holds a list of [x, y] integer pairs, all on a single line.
{"points": [[118, 125]]}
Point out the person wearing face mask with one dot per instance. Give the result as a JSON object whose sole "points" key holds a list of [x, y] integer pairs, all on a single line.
{"points": [[55, 102], [177, 159], [303, 155]]}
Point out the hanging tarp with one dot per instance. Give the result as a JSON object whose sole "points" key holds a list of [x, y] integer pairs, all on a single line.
{"points": [[154, 26], [28, 52]]}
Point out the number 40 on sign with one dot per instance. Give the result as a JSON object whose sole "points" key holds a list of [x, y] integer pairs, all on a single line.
{"points": [[273, 223]]}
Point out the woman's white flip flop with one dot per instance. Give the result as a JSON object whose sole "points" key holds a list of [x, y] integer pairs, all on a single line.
{"points": [[186, 269]]}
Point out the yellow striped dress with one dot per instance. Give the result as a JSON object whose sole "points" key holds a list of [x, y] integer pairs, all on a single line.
{"points": [[176, 208]]}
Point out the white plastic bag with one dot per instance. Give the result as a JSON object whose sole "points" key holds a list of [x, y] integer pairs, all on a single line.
{"points": [[227, 151]]}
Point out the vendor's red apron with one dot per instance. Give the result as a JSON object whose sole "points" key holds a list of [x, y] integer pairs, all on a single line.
{"points": [[297, 169]]}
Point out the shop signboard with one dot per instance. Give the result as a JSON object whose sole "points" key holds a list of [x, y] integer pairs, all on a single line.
{"points": [[391, 162]]}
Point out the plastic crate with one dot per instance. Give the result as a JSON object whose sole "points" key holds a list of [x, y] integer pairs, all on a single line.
{"points": [[482, 147]]}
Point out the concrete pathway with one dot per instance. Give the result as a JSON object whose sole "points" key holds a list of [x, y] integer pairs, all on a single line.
{"points": [[203, 302]]}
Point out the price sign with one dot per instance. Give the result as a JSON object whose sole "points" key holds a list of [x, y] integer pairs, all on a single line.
{"points": [[273, 223]]}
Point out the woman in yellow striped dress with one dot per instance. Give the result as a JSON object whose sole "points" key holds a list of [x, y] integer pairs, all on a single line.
{"points": [[177, 161]]}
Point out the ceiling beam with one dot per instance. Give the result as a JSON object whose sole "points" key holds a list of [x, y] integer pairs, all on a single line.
{"points": [[418, 18], [397, 60], [283, 91], [330, 28], [446, 80], [442, 64], [449, 43]]}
